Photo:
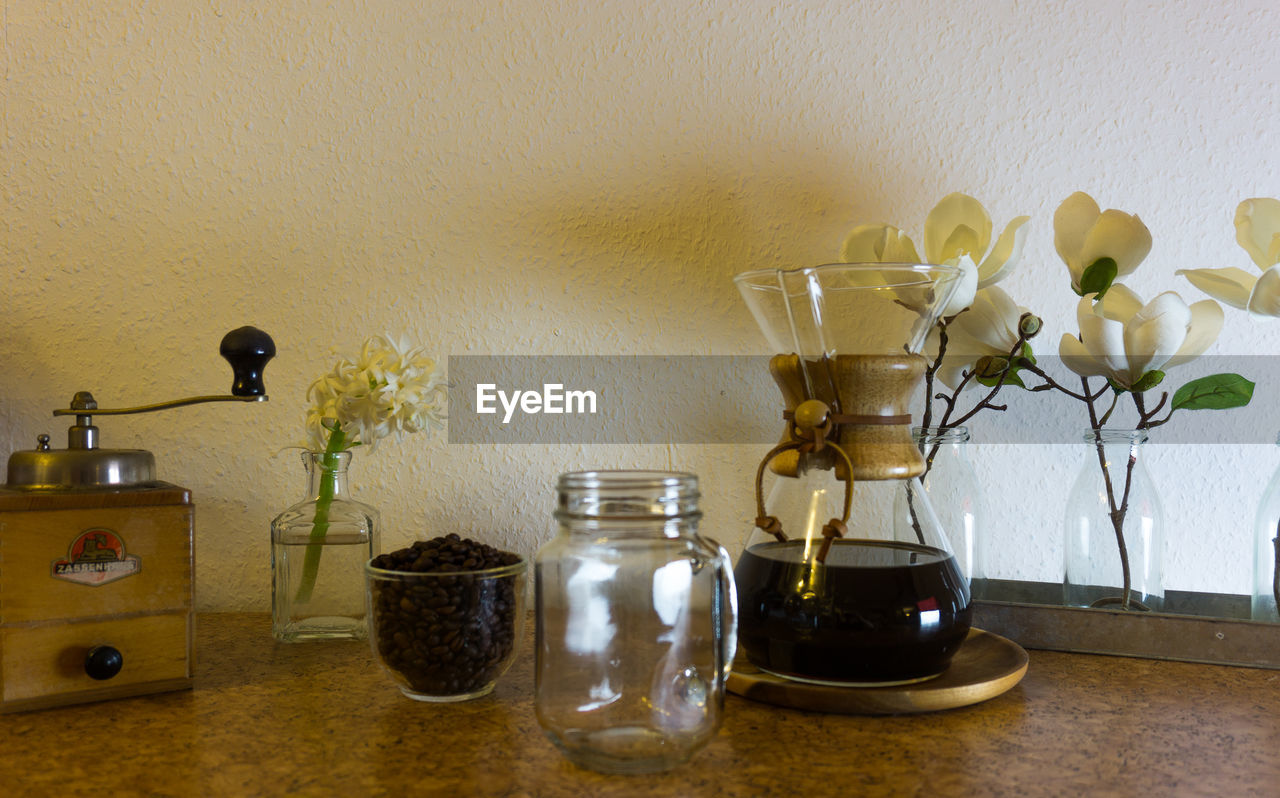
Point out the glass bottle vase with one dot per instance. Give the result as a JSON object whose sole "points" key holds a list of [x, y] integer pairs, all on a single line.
{"points": [[1266, 554], [318, 550], [955, 493], [1113, 487]]}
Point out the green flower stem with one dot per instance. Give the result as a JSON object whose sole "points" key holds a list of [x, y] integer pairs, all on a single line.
{"points": [[320, 524]]}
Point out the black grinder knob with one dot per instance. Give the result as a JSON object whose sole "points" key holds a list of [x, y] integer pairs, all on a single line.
{"points": [[103, 662], [247, 349]]}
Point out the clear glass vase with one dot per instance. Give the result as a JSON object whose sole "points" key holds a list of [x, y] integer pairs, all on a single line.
{"points": [[1266, 554], [955, 493], [1114, 489], [318, 550]]}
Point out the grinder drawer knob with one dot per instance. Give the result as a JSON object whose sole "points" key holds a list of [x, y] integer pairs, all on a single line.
{"points": [[103, 662]]}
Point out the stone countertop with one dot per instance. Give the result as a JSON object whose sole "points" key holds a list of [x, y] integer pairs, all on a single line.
{"points": [[322, 719]]}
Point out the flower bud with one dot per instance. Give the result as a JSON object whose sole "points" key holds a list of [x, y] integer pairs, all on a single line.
{"points": [[990, 367], [1148, 381], [1029, 325]]}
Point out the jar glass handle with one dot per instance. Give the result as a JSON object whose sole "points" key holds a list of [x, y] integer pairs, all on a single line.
{"points": [[727, 602]]}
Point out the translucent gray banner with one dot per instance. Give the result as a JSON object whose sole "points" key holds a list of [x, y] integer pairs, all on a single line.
{"points": [[715, 399]]}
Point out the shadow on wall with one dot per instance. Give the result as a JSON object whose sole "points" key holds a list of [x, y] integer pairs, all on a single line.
{"points": [[654, 249], [28, 395]]}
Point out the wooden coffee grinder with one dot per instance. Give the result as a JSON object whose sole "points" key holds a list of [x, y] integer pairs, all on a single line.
{"points": [[97, 559]]}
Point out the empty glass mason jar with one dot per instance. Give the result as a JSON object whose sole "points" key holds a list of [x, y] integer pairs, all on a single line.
{"points": [[636, 622]]}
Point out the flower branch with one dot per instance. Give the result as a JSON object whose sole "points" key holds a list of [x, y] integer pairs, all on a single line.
{"points": [[1257, 223], [1129, 343], [992, 371], [1275, 573]]}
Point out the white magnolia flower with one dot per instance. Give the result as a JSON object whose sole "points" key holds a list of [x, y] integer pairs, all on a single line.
{"points": [[989, 328], [1122, 339], [956, 232], [1083, 234], [878, 243], [391, 389], [1258, 232]]}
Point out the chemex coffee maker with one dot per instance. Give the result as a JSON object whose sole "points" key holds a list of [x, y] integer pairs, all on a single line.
{"points": [[96, 558], [833, 588]]}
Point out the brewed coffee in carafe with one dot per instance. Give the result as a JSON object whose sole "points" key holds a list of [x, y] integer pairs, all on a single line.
{"points": [[831, 588]]}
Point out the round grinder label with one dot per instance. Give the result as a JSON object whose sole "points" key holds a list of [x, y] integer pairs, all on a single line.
{"points": [[96, 557]]}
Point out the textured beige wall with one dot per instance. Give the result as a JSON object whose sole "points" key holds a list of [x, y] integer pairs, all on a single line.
{"points": [[574, 178]]}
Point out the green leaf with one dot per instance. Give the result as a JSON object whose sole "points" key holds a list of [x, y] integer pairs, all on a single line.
{"points": [[1027, 353], [1098, 277], [1215, 392], [1148, 381]]}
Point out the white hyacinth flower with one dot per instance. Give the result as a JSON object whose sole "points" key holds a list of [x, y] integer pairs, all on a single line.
{"points": [[1258, 232], [1124, 340], [390, 389]]}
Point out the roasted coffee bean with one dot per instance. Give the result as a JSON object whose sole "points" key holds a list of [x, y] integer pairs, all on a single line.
{"points": [[447, 634]]}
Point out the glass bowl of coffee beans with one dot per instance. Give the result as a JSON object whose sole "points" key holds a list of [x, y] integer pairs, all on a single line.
{"points": [[446, 616]]}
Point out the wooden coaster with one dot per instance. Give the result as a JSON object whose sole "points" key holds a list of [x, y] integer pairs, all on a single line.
{"points": [[986, 666]]}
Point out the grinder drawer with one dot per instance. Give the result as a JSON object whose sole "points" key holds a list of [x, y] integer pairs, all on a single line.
{"points": [[45, 665]]}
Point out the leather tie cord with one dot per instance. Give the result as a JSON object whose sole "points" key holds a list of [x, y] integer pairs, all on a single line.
{"points": [[848, 418], [836, 527]]}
